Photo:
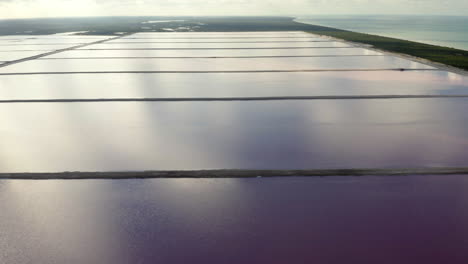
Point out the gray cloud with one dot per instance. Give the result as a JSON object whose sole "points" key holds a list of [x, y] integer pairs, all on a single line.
{"points": [[50, 8]]}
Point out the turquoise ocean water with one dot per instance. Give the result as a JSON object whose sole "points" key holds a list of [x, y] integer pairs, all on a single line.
{"points": [[449, 31]]}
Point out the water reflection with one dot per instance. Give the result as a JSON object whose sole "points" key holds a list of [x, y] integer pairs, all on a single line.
{"points": [[230, 85], [227, 64], [220, 39], [195, 45], [227, 135], [16, 55], [456, 78], [214, 53], [294, 220], [221, 34], [52, 222], [43, 48]]}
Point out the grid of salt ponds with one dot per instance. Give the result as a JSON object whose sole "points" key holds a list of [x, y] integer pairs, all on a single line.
{"points": [[307, 134], [122, 136]]}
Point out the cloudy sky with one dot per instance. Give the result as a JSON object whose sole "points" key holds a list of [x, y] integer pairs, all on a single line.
{"points": [[61, 8]]}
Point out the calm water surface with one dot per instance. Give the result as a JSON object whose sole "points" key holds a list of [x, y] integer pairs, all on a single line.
{"points": [[215, 53], [113, 136], [403, 220], [211, 64], [172, 85]]}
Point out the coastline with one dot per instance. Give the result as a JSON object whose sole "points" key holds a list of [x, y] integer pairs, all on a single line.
{"points": [[449, 59], [437, 65], [439, 30]]}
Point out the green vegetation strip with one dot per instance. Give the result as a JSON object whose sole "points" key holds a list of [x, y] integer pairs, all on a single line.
{"points": [[448, 56], [234, 173]]}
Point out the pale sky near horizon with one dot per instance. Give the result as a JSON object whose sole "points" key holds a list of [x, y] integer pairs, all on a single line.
{"points": [[65, 8]]}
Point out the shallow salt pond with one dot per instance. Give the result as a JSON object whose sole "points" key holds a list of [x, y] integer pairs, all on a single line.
{"points": [[332, 220], [397, 133], [43, 48], [225, 45], [227, 64], [219, 39], [18, 47], [212, 85], [252, 34], [16, 55], [215, 53]]}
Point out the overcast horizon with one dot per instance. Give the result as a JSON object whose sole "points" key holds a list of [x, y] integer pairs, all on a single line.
{"points": [[69, 8]]}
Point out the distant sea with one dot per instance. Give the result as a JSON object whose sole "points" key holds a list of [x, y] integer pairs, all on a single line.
{"points": [[448, 31]]}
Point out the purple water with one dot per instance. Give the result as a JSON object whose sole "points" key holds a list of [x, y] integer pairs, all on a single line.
{"points": [[281, 220]]}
